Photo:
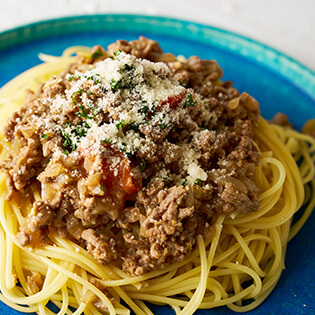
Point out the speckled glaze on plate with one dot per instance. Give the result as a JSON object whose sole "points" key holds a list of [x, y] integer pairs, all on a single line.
{"points": [[279, 83]]}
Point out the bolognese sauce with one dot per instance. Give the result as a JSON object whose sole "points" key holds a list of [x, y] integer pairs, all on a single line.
{"points": [[136, 152]]}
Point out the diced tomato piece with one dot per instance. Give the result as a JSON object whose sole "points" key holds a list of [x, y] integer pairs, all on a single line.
{"points": [[128, 184], [121, 173], [174, 100], [118, 180]]}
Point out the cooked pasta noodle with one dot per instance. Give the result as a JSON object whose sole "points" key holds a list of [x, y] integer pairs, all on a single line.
{"points": [[238, 267]]}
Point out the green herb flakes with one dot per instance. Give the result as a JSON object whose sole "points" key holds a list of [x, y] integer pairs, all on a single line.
{"points": [[165, 125], [120, 125], [181, 83], [67, 141], [115, 85], [185, 182], [189, 101], [82, 113], [107, 141], [79, 92], [142, 165], [116, 54], [97, 54]]}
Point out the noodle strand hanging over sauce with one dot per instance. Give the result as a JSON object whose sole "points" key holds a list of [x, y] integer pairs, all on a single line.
{"points": [[131, 175]]}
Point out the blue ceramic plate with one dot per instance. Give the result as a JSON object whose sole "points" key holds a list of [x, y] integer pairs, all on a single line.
{"points": [[276, 81]]}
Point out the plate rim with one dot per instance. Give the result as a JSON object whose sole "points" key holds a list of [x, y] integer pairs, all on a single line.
{"points": [[289, 68]]}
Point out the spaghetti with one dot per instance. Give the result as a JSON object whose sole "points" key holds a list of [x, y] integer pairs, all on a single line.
{"points": [[238, 267]]}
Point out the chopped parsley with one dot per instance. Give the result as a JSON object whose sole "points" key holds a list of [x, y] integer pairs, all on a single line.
{"points": [[185, 182], [97, 54], [142, 165], [145, 109], [197, 181], [67, 141], [165, 125], [115, 85], [70, 77], [101, 188], [116, 54], [127, 82], [94, 109], [128, 67], [189, 101], [44, 136], [80, 130], [73, 95], [96, 80], [165, 179], [181, 83], [120, 125], [129, 154], [73, 135], [107, 141], [130, 85], [82, 113], [123, 148], [133, 126]]}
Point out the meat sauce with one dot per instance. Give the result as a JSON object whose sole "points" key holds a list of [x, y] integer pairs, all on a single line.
{"points": [[136, 153]]}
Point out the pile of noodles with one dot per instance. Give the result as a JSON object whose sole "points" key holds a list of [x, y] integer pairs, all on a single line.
{"points": [[238, 267]]}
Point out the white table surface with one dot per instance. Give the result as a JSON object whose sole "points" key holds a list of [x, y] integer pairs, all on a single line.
{"points": [[286, 25]]}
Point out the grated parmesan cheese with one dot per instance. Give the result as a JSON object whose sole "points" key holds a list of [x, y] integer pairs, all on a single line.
{"points": [[134, 94]]}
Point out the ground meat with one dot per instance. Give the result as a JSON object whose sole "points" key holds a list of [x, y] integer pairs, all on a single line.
{"points": [[34, 281], [167, 232], [25, 165], [141, 202], [236, 199], [281, 120], [142, 48], [101, 246], [34, 229]]}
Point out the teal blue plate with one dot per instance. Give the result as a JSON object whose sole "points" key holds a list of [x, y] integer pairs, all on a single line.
{"points": [[279, 83]]}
